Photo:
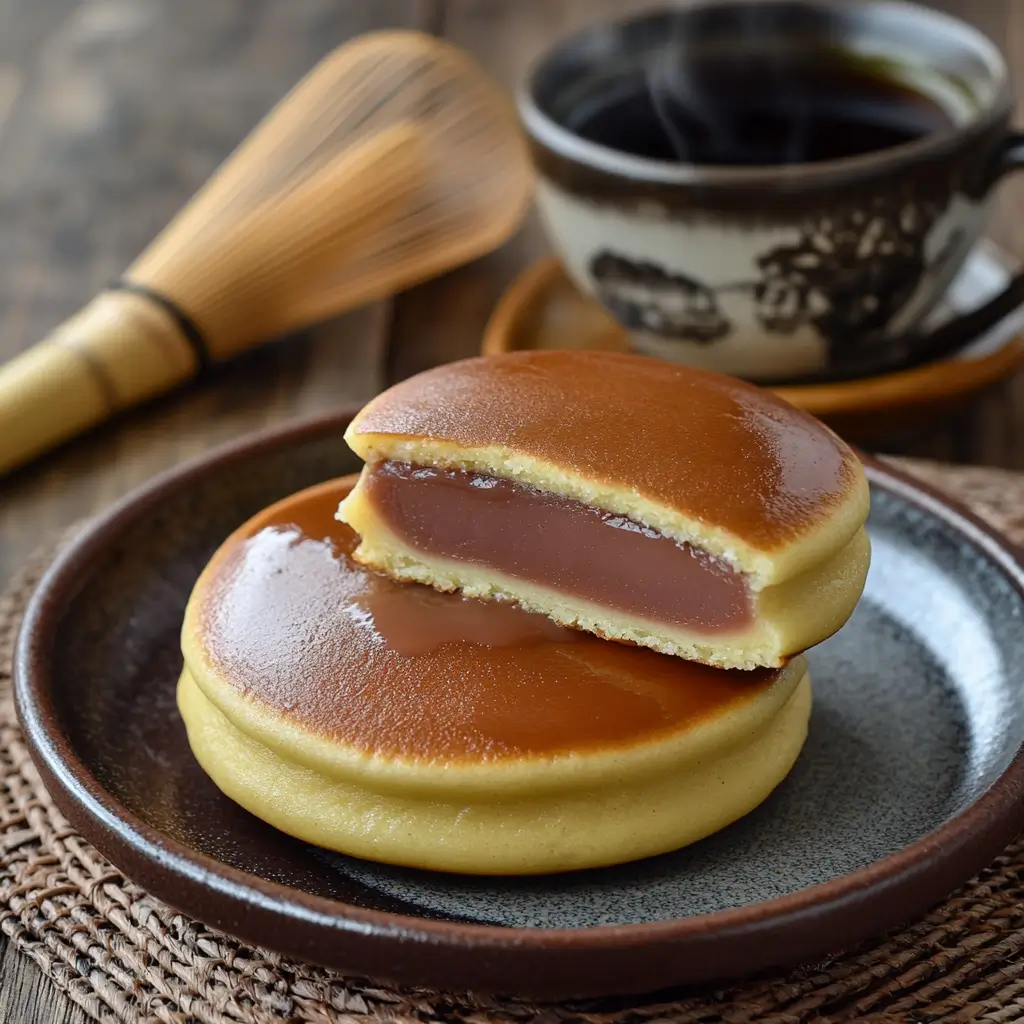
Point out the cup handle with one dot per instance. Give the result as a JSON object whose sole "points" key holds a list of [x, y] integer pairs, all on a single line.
{"points": [[955, 333]]}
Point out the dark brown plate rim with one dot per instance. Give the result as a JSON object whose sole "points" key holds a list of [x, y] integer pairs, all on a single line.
{"points": [[544, 963]]}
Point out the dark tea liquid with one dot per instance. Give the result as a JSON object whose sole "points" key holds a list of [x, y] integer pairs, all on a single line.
{"points": [[758, 112]]}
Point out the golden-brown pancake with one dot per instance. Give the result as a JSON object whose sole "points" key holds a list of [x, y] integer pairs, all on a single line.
{"points": [[670, 507], [403, 725]]}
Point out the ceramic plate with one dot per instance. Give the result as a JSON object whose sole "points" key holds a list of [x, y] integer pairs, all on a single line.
{"points": [[910, 782], [543, 309]]}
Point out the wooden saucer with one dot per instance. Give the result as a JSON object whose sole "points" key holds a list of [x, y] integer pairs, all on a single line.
{"points": [[543, 309]]}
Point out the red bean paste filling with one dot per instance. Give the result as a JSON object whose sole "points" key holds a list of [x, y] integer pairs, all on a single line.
{"points": [[559, 543]]}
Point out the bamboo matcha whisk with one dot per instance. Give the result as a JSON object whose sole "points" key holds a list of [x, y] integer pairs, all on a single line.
{"points": [[395, 159]]}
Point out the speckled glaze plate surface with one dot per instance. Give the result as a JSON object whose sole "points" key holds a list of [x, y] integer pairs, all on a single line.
{"points": [[911, 780]]}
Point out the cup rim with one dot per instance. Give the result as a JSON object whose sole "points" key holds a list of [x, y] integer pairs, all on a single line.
{"points": [[566, 143]]}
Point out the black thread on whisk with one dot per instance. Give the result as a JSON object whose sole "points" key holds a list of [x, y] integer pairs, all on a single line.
{"points": [[189, 328]]}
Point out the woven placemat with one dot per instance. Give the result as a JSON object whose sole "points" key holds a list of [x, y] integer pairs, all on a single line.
{"points": [[124, 956]]}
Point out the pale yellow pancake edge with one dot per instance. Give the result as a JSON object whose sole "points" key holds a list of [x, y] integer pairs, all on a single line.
{"points": [[622, 819]]}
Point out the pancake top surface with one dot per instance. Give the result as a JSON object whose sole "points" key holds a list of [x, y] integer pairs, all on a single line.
{"points": [[715, 449], [283, 615]]}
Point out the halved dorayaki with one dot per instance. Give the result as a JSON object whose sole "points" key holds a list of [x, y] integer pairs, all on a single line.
{"points": [[645, 502]]}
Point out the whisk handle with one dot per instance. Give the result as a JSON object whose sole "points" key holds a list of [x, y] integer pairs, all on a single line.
{"points": [[119, 350]]}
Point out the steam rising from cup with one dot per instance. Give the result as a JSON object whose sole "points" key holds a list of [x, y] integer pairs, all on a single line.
{"points": [[687, 109]]}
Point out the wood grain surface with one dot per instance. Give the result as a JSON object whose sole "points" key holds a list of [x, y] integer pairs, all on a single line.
{"points": [[112, 112]]}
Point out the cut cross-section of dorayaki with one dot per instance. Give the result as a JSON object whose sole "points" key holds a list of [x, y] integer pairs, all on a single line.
{"points": [[645, 502]]}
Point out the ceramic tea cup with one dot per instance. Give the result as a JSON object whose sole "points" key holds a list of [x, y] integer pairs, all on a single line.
{"points": [[778, 189]]}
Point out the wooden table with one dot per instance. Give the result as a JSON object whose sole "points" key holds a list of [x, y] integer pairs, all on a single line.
{"points": [[112, 112]]}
